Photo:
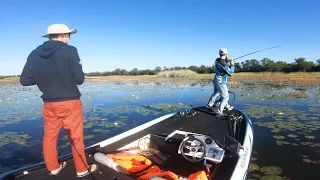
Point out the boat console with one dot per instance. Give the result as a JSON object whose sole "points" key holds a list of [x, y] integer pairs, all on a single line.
{"points": [[197, 147]]}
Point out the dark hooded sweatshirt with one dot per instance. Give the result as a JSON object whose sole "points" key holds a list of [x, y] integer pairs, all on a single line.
{"points": [[54, 67]]}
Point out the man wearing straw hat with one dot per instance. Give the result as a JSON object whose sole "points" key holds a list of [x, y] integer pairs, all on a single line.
{"points": [[56, 69]]}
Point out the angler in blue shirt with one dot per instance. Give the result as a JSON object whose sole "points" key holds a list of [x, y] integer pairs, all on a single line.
{"points": [[223, 70]]}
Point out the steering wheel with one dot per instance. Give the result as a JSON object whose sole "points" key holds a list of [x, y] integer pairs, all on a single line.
{"points": [[195, 147]]}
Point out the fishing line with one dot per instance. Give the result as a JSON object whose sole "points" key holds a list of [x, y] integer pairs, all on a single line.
{"points": [[234, 98], [257, 51]]}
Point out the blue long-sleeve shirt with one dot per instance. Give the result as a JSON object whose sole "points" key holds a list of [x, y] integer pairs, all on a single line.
{"points": [[54, 67], [223, 70]]}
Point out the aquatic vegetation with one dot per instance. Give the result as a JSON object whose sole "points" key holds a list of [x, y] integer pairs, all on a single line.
{"points": [[308, 160], [67, 144], [12, 141], [171, 107], [13, 137], [278, 137], [277, 113], [256, 175], [128, 110], [144, 110], [292, 135], [313, 109], [303, 128], [101, 130], [267, 172], [89, 137], [272, 177], [271, 170], [275, 130], [280, 143], [87, 125], [253, 158], [309, 137], [254, 167]]}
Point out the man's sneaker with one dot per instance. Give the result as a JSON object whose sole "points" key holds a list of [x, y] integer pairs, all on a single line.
{"points": [[228, 107], [217, 113], [208, 106]]}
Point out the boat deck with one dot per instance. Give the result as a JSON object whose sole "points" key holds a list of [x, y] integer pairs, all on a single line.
{"points": [[202, 122], [69, 173]]}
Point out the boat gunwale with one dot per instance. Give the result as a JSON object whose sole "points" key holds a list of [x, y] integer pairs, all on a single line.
{"points": [[250, 125]]}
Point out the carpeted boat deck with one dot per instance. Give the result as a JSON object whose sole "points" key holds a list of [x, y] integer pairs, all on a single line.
{"points": [[198, 120]]}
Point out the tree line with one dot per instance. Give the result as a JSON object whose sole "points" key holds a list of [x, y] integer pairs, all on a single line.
{"points": [[253, 65]]}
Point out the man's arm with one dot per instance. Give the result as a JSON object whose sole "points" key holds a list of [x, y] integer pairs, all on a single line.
{"points": [[26, 77], [226, 68], [76, 67]]}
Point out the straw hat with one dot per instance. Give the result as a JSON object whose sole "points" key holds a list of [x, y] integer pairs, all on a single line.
{"points": [[59, 29]]}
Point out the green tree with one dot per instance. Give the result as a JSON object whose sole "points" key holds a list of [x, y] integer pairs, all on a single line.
{"points": [[252, 65], [303, 65], [157, 69], [237, 67], [134, 72], [267, 64]]}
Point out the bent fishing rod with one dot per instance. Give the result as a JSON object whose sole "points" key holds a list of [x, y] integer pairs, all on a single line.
{"points": [[257, 51]]}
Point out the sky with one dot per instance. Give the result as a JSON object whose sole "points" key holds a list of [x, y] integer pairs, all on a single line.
{"points": [[145, 34]]}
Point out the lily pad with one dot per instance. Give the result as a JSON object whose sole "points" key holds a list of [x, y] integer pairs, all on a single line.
{"points": [[275, 130], [313, 129], [292, 135], [256, 175], [307, 160], [254, 167], [101, 130], [280, 142], [310, 137], [271, 170], [279, 137], [253, 158], [89, 136], [273, 177]]}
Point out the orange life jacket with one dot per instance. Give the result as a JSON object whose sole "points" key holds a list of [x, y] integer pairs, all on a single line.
{"points": [[200, 175], [133, 163], [143, 168]]}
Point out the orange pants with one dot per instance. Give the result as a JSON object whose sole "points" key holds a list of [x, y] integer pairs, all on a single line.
{"points": [[69, 114]]}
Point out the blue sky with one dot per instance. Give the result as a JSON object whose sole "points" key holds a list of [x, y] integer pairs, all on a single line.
{"points": [[148, 33]]}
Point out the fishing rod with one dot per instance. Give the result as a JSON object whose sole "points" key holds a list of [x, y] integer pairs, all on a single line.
{"points": [[257, 51]]}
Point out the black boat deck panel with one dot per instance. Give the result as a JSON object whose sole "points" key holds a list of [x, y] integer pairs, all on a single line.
{"points": [[69, 173], [202, 122]]}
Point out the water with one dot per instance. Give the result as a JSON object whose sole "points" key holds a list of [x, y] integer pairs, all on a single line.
{"points": [[286, 128]]}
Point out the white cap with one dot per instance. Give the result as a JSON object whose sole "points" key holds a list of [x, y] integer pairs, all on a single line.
{"points": [[59, 29], [223, 51]]}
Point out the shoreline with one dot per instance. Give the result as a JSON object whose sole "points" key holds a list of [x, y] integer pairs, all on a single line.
{"points": [[268, 77]]}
